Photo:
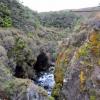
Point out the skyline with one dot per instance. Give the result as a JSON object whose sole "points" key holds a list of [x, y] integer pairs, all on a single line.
{"points": [[56, 5]]}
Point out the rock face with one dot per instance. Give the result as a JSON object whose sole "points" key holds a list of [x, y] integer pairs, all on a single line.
{"points": [[81, 70], [21, 89], [36, 93]]}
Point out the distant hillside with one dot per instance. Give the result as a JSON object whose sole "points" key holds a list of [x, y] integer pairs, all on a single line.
{"points": [[87, 12], [60, 19], [89, 9], [68, 18]]}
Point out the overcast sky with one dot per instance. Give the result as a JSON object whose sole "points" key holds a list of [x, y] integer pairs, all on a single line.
{"points": [[55, 5]]}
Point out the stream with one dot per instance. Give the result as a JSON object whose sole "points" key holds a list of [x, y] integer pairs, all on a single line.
{"points": [[46, 80]]}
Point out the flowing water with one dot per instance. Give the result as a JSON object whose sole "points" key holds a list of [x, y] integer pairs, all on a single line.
{"points": [[46, 80]]}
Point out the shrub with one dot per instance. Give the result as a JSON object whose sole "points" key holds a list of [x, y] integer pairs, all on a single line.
{"points": [[23, 58], [2, 51], [94, 41], [8, 42], [4, 9], [83, 51], [82, 77], [36, 23], [30, 34], [56, 90], [92, 97], [62, 19], [5, 17], [7, 22], [51, 98]]}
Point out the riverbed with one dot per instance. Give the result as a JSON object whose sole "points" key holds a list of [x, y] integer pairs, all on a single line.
{"points": [[46, 80]]}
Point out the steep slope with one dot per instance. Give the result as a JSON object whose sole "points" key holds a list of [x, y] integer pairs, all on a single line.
{"points": [[19, 47], [77, 73], [21, 17], [17, 52]]}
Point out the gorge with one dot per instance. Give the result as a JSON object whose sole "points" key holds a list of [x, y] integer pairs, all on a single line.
{"points": [[49, 55]]}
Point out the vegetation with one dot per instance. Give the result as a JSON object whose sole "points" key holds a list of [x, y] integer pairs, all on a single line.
{"points": [[5, 16], [23, 58], [95, 43], [62, 19], [82, 80], [83, 51], [4, 9], [78, 59], [51, 98]]}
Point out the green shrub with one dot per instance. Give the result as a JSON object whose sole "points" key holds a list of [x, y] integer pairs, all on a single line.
{"points": [[61, 19], [22, 56], [5, 16], [7, 22], [51, 98], [4, 9], [30, 34], [56, 90], [92, 97], [36, 23], [20, 44]]}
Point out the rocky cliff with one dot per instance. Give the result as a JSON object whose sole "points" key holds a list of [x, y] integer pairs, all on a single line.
{"points": [[77, 73]]}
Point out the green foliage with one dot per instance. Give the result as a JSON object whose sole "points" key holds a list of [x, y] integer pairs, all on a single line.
{"points": [[61, 19], [22, 56], [36, 23], [56, 90], [95, 43], [83, 51], [17, 50], [92, 94], [20, 44], [92, 97], [77, 24], [5, 18], [51, 98], [30, 34], [9, 86], [4, 9], [7, 22]]}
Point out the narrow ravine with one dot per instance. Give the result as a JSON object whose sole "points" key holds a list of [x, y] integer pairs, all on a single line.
{"points": [[46, 80]]}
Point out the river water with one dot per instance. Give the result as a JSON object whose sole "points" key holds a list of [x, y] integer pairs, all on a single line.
{"points": [[46, 80]]}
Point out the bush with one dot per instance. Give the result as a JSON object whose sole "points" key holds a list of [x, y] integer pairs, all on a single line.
{"points": [[2, 51], [4, 9], [22, 56], [8, 42], [3, 55], [5, 17], [7, 22], [62, 19]]}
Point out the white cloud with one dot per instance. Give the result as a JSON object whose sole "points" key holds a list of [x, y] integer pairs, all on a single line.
{"points": [[54, 5]]}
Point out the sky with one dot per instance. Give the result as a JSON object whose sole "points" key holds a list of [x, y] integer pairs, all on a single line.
{"points": [[56, 5]]}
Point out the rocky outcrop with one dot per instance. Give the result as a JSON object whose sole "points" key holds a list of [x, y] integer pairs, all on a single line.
{"points": [[20, 89], [81, 69]]}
